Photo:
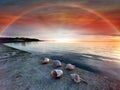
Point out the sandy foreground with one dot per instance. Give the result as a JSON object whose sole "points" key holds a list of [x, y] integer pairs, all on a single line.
{"points": [[20, 70]]}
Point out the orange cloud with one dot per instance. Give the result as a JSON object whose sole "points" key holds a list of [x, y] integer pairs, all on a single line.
{"points": [[68, 18], [114, 16]]}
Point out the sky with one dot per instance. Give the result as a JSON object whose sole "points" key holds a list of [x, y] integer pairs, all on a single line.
{"points": [[51, 19]]}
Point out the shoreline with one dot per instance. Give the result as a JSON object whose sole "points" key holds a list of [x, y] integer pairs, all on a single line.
{"points": [[23, 71]]}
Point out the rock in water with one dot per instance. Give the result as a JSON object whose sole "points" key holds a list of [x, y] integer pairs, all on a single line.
{"points": [[57, 73], [70, 67], [46, 61], [75, 77], [57, 63]]}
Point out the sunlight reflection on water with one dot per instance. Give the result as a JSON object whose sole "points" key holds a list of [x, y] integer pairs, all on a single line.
{"points": [[108, 49]]}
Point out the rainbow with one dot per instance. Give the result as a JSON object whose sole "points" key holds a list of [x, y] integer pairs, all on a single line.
{"points": [[42, 6]]}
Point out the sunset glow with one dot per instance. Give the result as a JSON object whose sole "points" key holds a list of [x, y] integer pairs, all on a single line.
{"points": [[79, 18], [63, 40], [79, 37]]}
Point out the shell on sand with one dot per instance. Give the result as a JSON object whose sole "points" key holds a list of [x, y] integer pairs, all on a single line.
{"points": [[57, 73], [75, 77], [46, 61], [70, 67], [57, 63]]}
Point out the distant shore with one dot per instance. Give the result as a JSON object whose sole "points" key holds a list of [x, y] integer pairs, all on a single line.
{"points": [[23, 71], [17, 39]]}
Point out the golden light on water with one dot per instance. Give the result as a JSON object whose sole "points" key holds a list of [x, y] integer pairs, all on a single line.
{"points": [[63, 40]]}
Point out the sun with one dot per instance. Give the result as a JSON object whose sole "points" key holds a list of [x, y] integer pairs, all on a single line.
{"points": [[63, 40]]}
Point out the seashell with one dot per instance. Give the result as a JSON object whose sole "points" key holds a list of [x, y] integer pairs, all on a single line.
{"points": [[70, 67], [46, 61], [57, 63], [75, 77], [57, 73]]}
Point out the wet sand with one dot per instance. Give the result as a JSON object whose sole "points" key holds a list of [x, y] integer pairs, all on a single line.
{"points": [[20, 70]]}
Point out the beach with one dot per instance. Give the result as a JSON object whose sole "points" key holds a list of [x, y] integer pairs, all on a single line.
{"points": [[20, 70]]}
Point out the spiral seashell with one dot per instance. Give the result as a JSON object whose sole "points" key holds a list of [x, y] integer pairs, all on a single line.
{"points": [[57, 63], [46, 61], [70, 67], [57, 73], [75, 77]]}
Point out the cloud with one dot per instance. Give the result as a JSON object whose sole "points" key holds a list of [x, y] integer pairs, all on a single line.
{"points": [[70, 18]]}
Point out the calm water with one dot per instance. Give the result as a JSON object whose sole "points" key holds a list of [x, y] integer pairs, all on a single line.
{"points": [[101, 57]]}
